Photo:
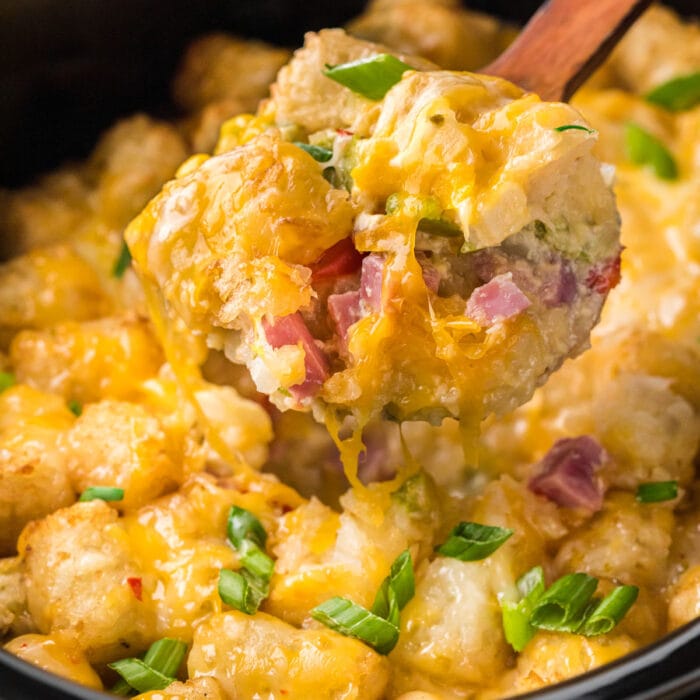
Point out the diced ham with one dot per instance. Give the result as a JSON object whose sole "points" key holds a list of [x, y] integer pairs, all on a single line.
{"points": [[552, 281], [567, 474], [560, 286], [347, 308], [376, 462], [344, 310], [431, 275], [497, 300], [340, 259], [603, 277], [489, 262], [371, 281], [375, 292], [291, 330]]}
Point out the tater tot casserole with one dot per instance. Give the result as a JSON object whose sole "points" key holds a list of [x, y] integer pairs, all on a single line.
{"points": [[365, 376]]}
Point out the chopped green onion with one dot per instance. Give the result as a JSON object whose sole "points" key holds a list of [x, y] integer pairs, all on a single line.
{"points": [[7, 379], [608, 612], [242, 590], [156, 671], [103, 493], [246, 589], [322, 155], [243, 525], [121, 687], [379, 627], [396, 589], [472, 541], [331, 176], [338, 178], [386, 605], [140, 676], [248, 536], [516, 624], [531, 583], [516, 616], [678, 94], [563, 605], [255, 560], [644, 149], [165, 656], [412, 494], [656, 491], [371, 77], [427, 210], [353, 620], [567, 605], [440, 227], [392, 204], [122, 262], [577, 127], [75, 407], [540, 229]]}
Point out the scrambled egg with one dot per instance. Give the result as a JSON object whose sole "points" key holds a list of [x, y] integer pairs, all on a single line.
{"points": [[163, 385]]}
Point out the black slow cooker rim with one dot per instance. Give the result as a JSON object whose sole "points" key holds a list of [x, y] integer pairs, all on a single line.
{"points": [[668, 669]]}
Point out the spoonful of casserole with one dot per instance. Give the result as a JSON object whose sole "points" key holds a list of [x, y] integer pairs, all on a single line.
{"points": [[386, 238]]}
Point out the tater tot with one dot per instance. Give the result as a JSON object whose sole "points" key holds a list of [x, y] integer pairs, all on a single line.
{"points": [[260, 654], [302, 95], [322, 554], [34, 479], [88, 206], [78, 560], [108, 357], [552, 658], [462, 321], [180, 544], [204, 688], [48, 286], [454, 616], [651, 432], [130, 164], [536, 525], [223, 67], [684, 598], [660, 46], [115, 443], [203, 127], [456, 610], [56, 654], [442, 32], [627, 541], [45, 214], [14, 617]]}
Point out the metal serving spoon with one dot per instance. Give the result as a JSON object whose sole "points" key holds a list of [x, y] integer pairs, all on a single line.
{"points": [[563, 43]]}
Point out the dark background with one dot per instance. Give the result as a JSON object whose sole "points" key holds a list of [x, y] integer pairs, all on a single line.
{"points": [[68, 68]]}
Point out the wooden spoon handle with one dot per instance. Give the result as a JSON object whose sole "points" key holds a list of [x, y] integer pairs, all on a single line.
{"points": [[563, 43]]}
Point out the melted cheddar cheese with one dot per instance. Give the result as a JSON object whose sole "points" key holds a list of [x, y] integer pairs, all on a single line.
{"points": [[229, 248], [168, 384]]}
